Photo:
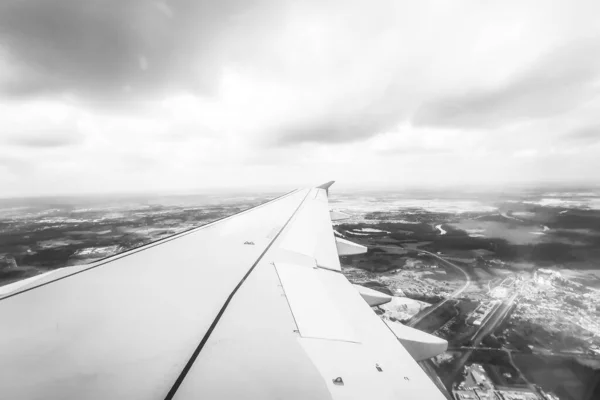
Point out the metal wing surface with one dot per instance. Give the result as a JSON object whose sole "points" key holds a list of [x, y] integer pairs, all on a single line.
{"points": [[253, 306]]}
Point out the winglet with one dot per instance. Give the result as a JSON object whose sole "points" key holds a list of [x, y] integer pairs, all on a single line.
{"points": [[326, 186]]}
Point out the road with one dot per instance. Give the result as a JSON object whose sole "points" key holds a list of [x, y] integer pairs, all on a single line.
{"points": [[487, 327], [532, 353], [457, 293], [512, 362], [427, 365], [496, 317]]}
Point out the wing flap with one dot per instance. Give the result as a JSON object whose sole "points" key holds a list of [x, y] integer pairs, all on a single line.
{"points": [[315, 313], [254, 352]]}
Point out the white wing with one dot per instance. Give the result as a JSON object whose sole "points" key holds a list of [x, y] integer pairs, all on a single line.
{"points": [[251, 307]]}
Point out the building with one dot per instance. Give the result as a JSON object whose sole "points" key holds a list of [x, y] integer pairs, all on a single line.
{"points": [[464, 395]]}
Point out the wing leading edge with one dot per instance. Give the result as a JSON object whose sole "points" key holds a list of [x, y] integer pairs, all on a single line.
{"points": [[253, 306]]}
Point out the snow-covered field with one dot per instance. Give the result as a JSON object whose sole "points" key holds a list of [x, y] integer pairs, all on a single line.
{"points": [[403, 308], [97, 251], [591, 203], [369, 230], [477, 232], [372, 204]]}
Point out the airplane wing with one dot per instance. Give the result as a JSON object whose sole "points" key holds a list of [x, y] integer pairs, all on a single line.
{"points": [[253, 306]]}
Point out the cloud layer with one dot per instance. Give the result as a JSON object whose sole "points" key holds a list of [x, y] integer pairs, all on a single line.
{"points": [[182, 94], [555, 84], [111, 48]]}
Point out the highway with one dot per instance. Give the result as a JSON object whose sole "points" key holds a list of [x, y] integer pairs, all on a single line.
{"points": [[427, 365], [532, 353], [496, 317], [487, 327], [457, 293]]}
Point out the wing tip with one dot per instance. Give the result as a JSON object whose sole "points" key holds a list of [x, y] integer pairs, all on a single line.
{"points": [[326, 185]]}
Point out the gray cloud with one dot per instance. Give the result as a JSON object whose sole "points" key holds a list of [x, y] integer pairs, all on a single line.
{"points": [[587, 135], [346, 121], [158, 93], [334, 130], [415, 150], [103, 47], [45, 139], [14, 165], [121, 48], [555, 84]]}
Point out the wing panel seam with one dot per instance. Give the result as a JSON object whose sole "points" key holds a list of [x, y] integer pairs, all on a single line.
{"points": [[202, 343], [286, 297]]}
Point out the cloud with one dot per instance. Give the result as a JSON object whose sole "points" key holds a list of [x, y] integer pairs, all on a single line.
{"points": [[15, 165], [105, 48], [40, 124], [44, 139], [339, 125], [406, 141], [110, 95], [556, 83], [526, 153], [586, 135]]}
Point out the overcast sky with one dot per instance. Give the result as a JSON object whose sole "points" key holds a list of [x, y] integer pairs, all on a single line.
{"points": [[139, 95]]}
